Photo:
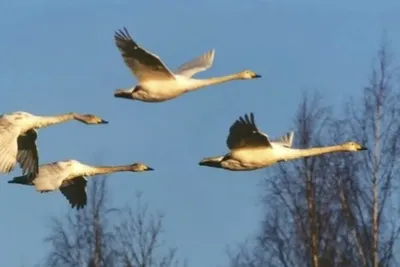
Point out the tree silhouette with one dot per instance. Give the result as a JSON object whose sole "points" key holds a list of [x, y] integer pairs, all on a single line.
{"points": [[337, 209], [101, 236]]}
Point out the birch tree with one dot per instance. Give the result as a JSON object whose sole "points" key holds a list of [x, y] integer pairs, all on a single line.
{"points": [[337, 209]]}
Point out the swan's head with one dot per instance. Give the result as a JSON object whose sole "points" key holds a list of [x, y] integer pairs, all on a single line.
{"points": [[248, 75], [353, 146], [89, 119], [140, 167]]}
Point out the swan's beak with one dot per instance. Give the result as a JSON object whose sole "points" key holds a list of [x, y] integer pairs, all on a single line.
{"points": [[103, 122], [257, 76], [122, 94], [149, 169], [362, 148]]}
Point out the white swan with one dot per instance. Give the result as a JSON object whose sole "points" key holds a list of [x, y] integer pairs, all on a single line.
{"points": [[251, 149], [18, 137], [156, 83], [70, 177]]}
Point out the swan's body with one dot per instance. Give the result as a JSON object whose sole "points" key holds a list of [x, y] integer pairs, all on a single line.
{"points": [[156, 83], [251, 149], [70, 177], [18, 137]]}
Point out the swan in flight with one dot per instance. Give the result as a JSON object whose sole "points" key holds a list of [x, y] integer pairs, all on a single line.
{"points": [[157, 83], [251, 149], [18, 137], [70, 177]]}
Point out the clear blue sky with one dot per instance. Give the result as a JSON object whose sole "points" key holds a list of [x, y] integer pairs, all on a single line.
{"points": [[59, 56]]}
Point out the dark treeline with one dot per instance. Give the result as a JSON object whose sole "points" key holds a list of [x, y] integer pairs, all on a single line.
{"points": [[340, 209]]}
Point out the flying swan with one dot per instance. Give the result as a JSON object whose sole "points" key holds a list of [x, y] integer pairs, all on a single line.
{"points": [[70, 177], [156, 83], [18, 137], [251, 149]]}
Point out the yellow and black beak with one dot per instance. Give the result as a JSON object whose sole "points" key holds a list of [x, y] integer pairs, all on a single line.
{"points": [[256, 76], [149, 169]]}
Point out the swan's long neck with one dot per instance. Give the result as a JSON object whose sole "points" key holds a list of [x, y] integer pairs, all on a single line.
{"points": [[199, 83], [44, 121], [314, 151], [102, 170]]}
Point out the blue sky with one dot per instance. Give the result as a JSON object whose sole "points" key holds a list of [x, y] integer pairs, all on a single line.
{"points": [[59, 56]]}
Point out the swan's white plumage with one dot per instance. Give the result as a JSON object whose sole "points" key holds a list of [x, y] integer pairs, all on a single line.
{"points": [[8, 147], [156, 82], [251, 149], [70, 177], [18, 142], [196, 65], [18, 137]]}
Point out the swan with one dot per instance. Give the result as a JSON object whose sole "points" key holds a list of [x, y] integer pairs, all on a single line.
{"points": [[156, 83], [18, 137], [70, 177], [251, 149]]}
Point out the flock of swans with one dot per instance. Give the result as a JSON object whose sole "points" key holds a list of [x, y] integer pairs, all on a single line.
{"points": [[249, 148]]}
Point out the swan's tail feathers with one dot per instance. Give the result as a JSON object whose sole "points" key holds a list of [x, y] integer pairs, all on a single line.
{"points": [[20, 180], [123, 93], [212, 162], [286, 140]]}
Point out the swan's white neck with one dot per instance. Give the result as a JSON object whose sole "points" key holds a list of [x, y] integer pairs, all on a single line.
{"points": [[194, 84]]}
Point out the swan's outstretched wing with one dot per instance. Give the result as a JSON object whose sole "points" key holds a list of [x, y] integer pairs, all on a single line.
{"points": [[143, 64], [27, 155], [50, 176], [285, 140], [75, 192], [196, 65], [244, 133], [8, 147]]}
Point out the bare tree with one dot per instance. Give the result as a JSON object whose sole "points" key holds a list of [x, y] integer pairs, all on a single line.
{"points": [[138, 238], [83, 238], [377, 122], [87, 237], [296, 229], [337, 209], [301, 190]]}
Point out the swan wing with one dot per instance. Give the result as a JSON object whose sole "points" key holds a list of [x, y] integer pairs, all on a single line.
{"points": [[285, 140], [143, 64], [74, 191], [8, 147], [196, 65], [27, 155], [50, 176], [244, 134]]}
